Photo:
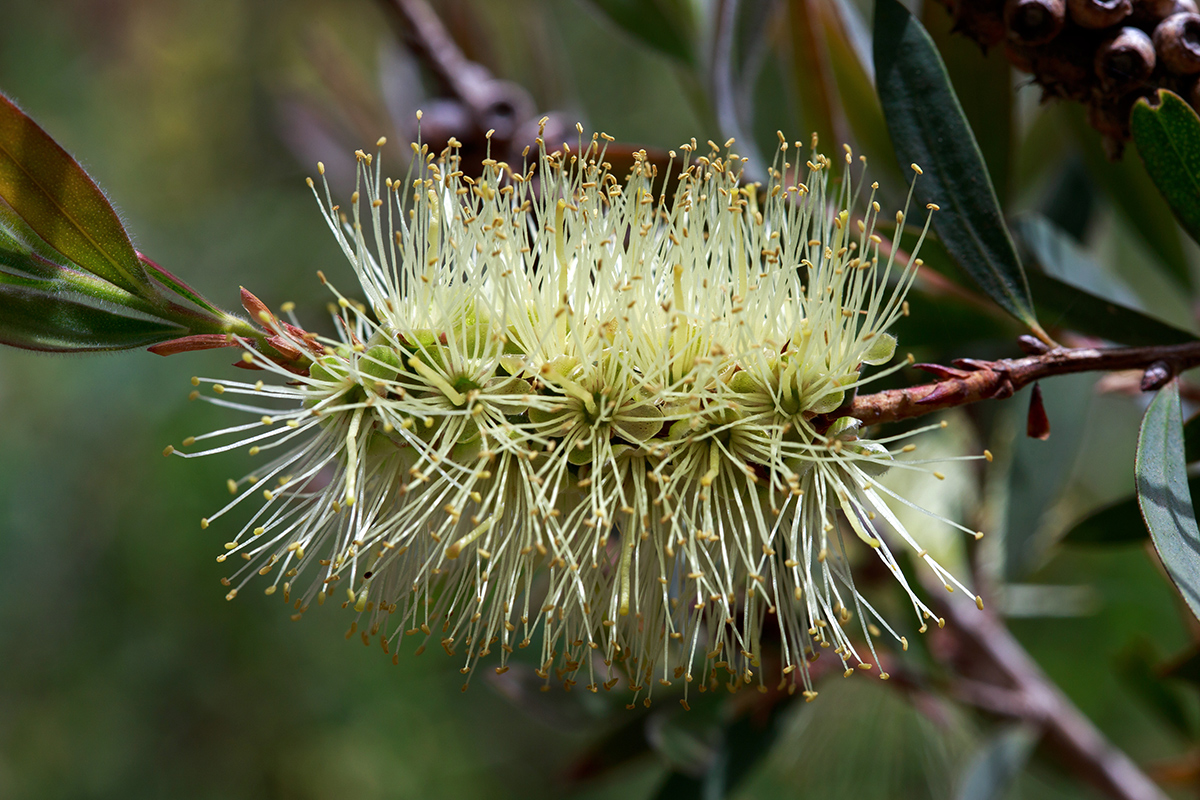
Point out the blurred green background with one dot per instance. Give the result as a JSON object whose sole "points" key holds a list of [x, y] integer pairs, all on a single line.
{"points": [[125, 673]]}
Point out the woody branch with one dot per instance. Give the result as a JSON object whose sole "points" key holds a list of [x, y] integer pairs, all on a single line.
{"points": [[971, 380]]}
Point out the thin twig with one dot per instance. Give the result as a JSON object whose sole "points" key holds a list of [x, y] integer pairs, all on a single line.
{"points": [[1031, 696], [427, 36], [971, 380]]}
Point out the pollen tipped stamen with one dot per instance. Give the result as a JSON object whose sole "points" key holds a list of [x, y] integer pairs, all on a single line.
{"points": [[588, 412]]}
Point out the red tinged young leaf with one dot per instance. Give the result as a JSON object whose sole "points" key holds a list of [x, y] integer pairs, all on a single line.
{"points": [[175, 284], [257, 309], [48, 189], [199, 341], [942, 373]]}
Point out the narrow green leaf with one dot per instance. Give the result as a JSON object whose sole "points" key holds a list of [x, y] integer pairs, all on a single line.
{"points": [[1184, 667], [48, 189], [928, 127], [1168, 140], [46, 305], [1065, 306], [1163, 493], [179, 287], [1191, 440], [1061, 257], [1118, 523], [982, 82], [997, 764], [1138, 666], [38, 314], [1131, 192], [1072, 292], [664, 25]]}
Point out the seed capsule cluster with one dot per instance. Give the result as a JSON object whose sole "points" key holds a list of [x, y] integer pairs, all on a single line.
{"points": [[1103, 53]]}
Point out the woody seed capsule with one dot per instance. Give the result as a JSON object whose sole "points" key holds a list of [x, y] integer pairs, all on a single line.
{"points": [[1148, 13], [1177, 41], [1034, 22], [1125, 59], [1098, 13]]}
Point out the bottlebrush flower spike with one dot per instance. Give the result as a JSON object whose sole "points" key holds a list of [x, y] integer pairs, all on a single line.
{"points": [[576, 411]]}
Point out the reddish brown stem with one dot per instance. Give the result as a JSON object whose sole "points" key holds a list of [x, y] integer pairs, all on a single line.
{"points": [[975, 380]]}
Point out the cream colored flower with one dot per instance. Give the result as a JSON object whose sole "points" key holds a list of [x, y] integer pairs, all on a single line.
{"points": [[587, 414]]}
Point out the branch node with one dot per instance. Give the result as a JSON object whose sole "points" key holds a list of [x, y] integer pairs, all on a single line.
{"points": [[1157, 375], [1031, 345]]}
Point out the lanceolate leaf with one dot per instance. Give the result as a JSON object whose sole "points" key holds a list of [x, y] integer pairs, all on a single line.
{"points": [[983, 85], [47, 315], [1119, 523], [1132, 193], [47, 306], [178, 286], [1163, 494], [1073, 292], [1168, 140], [928, 128], [56, 198]]}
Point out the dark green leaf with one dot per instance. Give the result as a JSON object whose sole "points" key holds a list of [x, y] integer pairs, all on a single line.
{"points": [[1164, 496], [1061, 257], [48, 189], [983, 84], [1191, 440], [1071, 201], [928, 127], [1118, 523], [1067, 306], [1184, 667], [664, 25], [1132, 193], [1137, 666], [1168, 140], [180, 288], [997, 764], [1072, 292]]}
